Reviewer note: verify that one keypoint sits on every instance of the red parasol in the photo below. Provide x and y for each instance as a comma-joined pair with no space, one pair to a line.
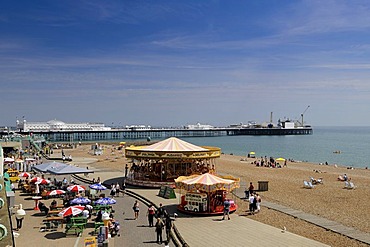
38,180
24,174
55,192
76,188
43,181
72,210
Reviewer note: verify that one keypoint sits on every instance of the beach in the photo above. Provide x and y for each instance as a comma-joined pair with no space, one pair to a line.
285,186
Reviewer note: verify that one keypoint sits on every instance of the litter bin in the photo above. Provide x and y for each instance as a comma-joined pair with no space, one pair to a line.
263,185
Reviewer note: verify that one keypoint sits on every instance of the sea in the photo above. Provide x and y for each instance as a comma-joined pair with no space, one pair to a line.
320,147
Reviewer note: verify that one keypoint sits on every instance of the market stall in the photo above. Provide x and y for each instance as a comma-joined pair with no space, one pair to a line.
205,194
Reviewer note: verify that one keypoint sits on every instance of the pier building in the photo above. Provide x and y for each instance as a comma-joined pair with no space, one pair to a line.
58,131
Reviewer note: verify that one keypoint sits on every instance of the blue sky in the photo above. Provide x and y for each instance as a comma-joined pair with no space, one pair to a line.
172,63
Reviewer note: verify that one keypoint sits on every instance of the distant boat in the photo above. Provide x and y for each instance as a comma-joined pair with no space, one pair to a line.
337,152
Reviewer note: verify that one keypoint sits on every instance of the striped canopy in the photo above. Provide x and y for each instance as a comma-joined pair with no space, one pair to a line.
55,192
76,188
72,210
206,182
173,144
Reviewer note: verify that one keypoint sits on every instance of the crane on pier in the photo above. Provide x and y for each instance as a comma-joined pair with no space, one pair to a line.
302,123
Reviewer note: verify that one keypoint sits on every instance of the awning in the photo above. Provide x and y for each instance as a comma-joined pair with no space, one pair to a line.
60,168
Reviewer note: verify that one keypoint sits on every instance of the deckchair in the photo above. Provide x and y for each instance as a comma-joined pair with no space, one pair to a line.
346,184
316,181
349,185
307,185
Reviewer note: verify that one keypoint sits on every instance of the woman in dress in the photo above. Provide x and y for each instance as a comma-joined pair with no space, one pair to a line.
136,209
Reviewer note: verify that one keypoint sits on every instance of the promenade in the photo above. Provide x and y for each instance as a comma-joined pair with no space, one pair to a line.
196,231
212,231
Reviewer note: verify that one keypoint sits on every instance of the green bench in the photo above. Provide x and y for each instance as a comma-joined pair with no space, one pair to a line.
106,208
77,225
97,225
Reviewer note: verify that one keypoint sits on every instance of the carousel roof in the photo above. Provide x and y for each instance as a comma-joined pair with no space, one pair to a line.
206,179
173,144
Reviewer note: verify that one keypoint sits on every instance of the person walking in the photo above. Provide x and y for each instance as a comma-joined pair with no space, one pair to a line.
168,225
251,188
150,214
258,202
113,190
254,203
117,189
159,229
161,211
19,216
226,209
136,209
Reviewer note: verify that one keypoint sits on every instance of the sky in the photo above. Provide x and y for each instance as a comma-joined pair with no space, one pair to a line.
173,63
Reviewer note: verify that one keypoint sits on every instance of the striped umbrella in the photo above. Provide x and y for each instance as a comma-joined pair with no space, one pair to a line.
106,201
80,200
24,174
72,210
55,192
97,186
41,181
173,144
76,188
35,179
206,182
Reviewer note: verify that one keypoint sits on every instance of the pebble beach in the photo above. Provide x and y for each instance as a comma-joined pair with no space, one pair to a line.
329,200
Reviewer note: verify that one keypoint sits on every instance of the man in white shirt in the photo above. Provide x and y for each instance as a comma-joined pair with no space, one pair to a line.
86,213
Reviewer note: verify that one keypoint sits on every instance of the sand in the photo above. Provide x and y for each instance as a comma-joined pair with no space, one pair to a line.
329,200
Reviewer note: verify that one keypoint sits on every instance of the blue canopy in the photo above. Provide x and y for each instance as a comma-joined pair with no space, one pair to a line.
105,201
97,186
58,168
80,200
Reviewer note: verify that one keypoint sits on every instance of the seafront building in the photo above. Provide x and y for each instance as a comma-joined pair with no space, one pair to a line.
56,125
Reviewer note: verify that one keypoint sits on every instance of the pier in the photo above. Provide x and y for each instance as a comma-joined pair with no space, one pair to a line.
121,134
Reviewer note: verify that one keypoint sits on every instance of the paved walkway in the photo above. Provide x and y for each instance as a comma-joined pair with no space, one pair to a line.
211,231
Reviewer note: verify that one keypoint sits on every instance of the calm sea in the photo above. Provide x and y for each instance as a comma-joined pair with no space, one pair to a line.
353,142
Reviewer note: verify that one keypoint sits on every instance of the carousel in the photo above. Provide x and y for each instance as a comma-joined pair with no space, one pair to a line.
161,163
205,194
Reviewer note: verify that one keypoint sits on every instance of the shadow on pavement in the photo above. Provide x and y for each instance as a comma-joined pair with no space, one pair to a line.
217,220
55,235
143,226
39,214
150,242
